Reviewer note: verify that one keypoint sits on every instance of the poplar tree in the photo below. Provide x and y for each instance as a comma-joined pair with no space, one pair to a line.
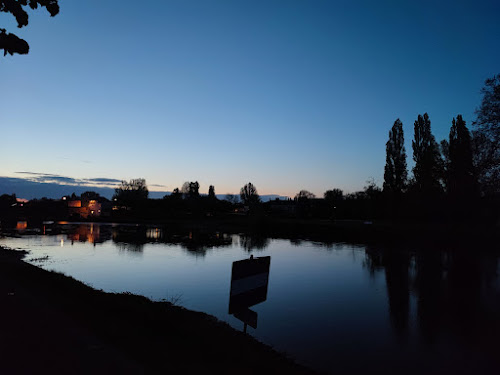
461,180
211,192
395,172
428,169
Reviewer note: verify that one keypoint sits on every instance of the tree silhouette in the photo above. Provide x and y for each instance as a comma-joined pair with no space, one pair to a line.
304,194
428,168
371,190
460,171
395,172
334,196
249,194
190,190
487,136
10,43
132,192
211,192
334,200
176,195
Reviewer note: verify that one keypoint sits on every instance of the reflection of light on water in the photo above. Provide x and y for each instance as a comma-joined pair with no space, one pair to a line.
154,233
22,225
62,242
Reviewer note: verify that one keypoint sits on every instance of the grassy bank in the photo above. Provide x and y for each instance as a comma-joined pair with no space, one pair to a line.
57,324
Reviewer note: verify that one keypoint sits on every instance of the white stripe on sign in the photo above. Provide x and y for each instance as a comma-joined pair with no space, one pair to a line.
249,283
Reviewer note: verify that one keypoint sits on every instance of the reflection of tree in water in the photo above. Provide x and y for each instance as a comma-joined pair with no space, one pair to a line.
130,238
395,263
457,293
196,242
250,243
128,247
429,287
199,242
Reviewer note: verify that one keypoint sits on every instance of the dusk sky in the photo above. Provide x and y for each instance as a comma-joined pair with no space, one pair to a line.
289,95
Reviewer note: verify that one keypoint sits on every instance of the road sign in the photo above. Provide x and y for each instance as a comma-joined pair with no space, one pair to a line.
249,281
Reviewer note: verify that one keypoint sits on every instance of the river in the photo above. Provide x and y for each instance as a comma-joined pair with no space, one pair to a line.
331,306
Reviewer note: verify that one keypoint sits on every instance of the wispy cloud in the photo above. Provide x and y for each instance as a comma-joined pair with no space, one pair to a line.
48,178
30,188
101,180
35,173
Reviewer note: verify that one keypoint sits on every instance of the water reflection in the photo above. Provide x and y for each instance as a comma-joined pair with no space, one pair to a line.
253,242
21,226
133,237
456,292
154,234
130,248
395,263
88,233
400,310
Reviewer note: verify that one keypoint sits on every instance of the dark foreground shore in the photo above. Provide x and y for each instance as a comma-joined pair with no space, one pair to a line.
55,324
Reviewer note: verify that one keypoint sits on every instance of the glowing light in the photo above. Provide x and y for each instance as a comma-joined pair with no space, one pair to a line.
22,225
153,233
62,242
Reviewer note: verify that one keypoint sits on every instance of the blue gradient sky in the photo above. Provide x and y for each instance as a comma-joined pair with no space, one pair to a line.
289,95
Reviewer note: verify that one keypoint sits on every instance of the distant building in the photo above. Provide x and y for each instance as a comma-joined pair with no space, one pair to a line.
84,208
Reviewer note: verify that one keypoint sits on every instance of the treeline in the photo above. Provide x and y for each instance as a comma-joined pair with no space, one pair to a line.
457,179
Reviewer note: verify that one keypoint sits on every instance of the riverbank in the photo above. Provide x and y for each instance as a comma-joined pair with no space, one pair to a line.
54,323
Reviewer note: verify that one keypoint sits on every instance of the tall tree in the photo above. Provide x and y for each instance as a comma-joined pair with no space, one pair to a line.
486,140
249,194
428,169
211,192
460,171
395,172
10,43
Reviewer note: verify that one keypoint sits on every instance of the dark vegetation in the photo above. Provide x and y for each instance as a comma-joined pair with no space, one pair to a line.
11,43
76,329
453,188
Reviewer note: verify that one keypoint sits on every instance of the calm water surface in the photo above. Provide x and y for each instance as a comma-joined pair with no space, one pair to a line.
334,307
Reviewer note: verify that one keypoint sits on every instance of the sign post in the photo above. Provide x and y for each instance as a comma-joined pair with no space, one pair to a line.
249,282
